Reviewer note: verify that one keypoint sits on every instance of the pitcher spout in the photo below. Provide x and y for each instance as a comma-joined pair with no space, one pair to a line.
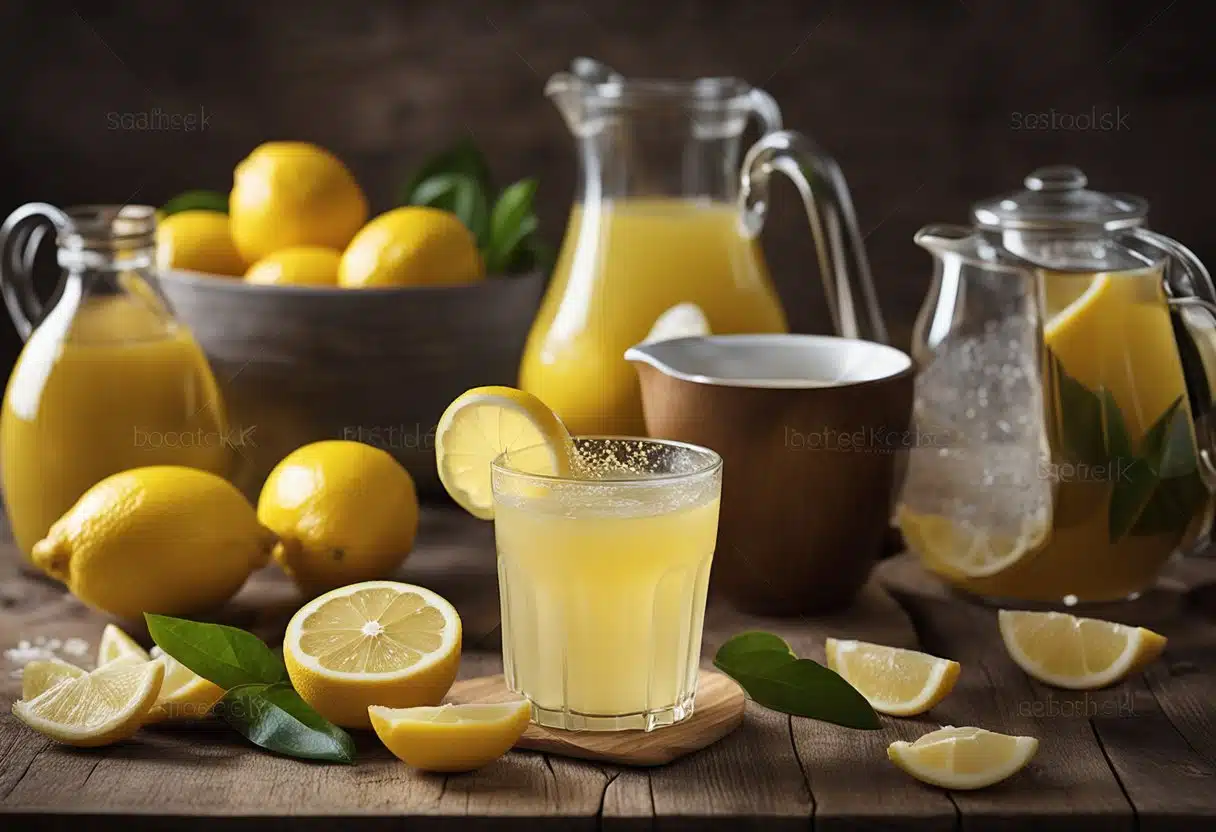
570,90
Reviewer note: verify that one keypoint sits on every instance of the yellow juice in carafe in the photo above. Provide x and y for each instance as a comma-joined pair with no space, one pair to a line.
624,263
123,389
1107,335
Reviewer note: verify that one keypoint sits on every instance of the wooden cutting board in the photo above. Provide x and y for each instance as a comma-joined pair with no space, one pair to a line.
720,704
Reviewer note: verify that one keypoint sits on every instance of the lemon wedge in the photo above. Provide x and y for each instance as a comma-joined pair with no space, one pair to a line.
683,320
485,422
115,644
43,674
373,643
451,738
963,758
895,681
1076,653
99,708
184,694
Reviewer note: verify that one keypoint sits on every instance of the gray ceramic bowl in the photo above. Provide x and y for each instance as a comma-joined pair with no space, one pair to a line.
302,364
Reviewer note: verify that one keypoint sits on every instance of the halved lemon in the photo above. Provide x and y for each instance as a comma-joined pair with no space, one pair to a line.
39,676
115,643
895,681
102,707
451,738
960,550
184,694
374,643
1076,653
680,321
485,422
963,758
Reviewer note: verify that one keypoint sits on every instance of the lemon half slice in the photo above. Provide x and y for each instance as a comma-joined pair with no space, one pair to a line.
184,694
374,643
683,320
485,422
1076,653
39,676
98,708
957,549
895,681
116,644
451,738
963,758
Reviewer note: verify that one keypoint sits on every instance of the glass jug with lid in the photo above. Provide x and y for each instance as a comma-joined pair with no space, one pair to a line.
665,214
1065,357
108,379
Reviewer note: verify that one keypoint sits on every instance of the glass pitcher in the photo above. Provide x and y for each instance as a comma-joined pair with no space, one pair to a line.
663,216
108,380
1061,404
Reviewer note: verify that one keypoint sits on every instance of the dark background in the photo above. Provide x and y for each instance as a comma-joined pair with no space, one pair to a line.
927,105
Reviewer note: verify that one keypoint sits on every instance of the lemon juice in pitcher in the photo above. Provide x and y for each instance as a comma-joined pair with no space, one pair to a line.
668,212
108,379
1066,466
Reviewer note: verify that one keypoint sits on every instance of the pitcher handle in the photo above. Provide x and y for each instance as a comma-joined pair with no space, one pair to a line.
1189,289
840,248
20,237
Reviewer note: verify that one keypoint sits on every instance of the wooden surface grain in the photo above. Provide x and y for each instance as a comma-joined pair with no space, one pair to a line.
1141,755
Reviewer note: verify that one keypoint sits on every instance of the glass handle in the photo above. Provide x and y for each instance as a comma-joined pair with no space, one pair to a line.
840,248
20,238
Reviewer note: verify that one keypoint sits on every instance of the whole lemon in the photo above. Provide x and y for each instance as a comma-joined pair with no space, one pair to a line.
164,539
300,266
412,246
288,194
199,241
343,512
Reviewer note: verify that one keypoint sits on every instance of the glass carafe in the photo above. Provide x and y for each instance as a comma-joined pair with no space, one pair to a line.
1062,398
664,216
108,380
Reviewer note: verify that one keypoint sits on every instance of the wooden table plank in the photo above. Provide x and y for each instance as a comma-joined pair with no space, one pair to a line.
1098,750
1153,738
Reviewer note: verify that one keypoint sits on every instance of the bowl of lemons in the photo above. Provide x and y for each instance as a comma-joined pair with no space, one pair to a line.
324,321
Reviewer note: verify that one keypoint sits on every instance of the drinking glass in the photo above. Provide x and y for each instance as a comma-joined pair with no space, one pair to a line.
603,576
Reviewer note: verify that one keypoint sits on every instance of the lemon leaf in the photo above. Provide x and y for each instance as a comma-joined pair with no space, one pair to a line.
196,201
227,656
274,717
774,677
463,157
512,222
458,194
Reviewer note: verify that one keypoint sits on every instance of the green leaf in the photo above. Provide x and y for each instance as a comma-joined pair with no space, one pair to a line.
224,655
1134,484
1172,506
1080,415
1176,455
277,719
461,195
1118,442
751,642
511,223
196,201
777,679
463,158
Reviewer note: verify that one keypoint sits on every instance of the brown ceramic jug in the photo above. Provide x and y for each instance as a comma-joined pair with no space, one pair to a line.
812,431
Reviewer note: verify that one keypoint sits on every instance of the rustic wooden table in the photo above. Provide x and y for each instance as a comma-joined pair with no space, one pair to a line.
1142,755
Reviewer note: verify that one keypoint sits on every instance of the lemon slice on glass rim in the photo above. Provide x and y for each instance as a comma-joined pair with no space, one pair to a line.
485,422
